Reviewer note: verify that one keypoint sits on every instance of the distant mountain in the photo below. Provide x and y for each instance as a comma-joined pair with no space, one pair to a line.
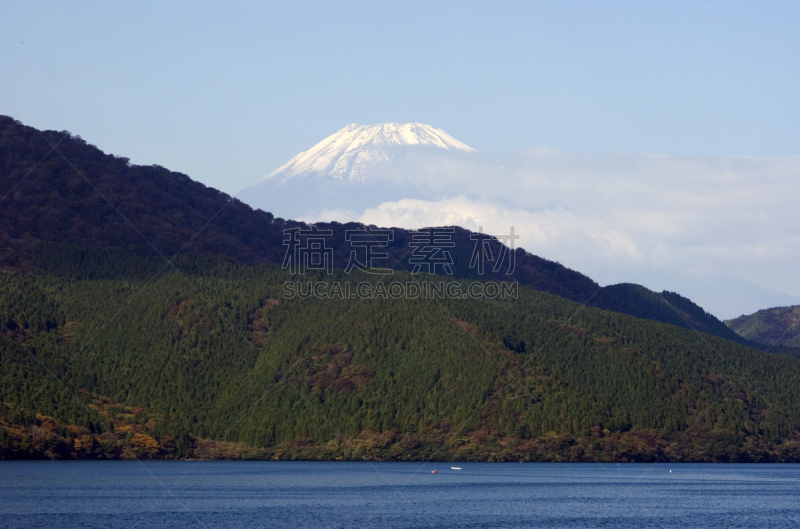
353,152
358,167
770,327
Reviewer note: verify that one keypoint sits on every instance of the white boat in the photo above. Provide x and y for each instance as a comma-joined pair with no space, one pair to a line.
456,468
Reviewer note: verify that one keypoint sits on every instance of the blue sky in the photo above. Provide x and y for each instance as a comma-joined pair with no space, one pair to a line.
237,88
228,92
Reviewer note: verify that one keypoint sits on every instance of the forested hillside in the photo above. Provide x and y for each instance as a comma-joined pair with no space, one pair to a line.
105,354
779,326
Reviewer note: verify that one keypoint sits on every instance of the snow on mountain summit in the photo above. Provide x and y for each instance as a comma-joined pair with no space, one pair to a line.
353,152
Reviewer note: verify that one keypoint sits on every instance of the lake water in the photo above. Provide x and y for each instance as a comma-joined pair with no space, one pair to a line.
128,494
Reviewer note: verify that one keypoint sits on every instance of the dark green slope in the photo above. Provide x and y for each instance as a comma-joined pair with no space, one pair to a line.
666,307
213,351
89,198
779,326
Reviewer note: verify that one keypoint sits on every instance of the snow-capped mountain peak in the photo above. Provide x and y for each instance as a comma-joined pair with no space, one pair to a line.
353,152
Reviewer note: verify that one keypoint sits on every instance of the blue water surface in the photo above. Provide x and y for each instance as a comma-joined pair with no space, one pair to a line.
128,494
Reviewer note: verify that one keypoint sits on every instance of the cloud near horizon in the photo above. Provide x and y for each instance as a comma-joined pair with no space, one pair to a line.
612,216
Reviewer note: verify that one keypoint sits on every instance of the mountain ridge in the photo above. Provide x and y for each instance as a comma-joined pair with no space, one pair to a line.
155,210
776,326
